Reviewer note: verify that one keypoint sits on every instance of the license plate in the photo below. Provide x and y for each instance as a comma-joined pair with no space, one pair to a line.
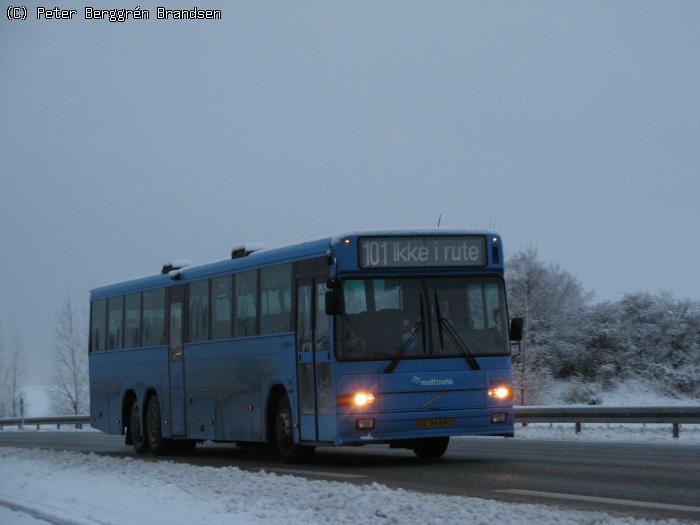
444,422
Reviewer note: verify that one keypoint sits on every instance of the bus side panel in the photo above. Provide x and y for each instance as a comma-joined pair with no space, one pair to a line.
227,383
115,372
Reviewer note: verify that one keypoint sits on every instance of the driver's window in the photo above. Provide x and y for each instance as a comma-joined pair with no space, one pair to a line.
355,298
476,305
386,295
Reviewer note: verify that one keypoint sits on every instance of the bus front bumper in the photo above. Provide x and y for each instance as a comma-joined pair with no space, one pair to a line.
389,427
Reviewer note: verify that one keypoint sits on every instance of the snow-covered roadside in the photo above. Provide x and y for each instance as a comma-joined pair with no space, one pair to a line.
87,488
12,517
614,432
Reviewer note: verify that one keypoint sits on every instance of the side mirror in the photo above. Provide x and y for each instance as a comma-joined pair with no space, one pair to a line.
516,329
334,302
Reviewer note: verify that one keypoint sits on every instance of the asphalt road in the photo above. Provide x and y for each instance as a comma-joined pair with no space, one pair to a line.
653,481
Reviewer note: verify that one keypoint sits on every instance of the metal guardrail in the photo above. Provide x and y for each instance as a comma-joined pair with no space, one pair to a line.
673,415
77,421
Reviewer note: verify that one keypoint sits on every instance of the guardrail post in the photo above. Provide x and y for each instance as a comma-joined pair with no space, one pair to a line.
79,426
38,426
578,427
58,426
676,430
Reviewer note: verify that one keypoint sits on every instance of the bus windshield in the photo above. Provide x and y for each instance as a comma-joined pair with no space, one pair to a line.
422,317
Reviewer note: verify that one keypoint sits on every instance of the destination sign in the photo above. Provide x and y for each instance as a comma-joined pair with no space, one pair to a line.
410,252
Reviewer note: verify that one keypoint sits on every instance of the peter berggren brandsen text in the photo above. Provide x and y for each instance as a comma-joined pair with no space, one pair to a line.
124,15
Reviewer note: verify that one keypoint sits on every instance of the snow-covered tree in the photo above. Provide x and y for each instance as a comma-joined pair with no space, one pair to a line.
589,348
68,377
653,338
553,303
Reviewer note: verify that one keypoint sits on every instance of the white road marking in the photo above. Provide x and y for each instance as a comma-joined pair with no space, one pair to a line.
319,473
595,499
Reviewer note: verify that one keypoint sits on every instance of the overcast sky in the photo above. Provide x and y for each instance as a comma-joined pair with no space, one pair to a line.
570,126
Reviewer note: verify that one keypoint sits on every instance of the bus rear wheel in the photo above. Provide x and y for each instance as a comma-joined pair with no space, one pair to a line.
283,435
135,430
431,448
154,429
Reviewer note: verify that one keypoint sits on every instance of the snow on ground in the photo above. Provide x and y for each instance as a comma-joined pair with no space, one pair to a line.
630,392
87,488
614,432
12,517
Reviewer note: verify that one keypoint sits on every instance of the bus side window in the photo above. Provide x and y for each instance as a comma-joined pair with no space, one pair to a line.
322,320
276,299
98,321
115,322
199,311
246,294
153,325
304,318
221,300
132,320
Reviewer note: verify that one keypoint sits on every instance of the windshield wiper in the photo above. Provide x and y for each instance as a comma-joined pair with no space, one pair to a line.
418,325
454,336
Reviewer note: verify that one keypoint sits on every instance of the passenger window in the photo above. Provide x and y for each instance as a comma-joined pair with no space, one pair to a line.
98,321
154,318
221,300
276,299
199,311
246,303
132,320
115,323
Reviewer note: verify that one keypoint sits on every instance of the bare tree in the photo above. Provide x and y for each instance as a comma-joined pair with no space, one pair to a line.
68,377
15,375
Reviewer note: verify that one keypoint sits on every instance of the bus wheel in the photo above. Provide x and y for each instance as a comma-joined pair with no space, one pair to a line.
154,429
283,435
431,448
135,432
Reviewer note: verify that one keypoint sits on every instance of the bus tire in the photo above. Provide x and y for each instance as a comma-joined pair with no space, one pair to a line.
135,431
431,448
154,429
283,435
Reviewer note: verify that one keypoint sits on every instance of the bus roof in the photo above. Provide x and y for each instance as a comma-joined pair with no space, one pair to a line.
265,257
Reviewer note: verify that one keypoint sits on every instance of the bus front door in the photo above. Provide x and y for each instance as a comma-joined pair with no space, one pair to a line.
176,350
314,372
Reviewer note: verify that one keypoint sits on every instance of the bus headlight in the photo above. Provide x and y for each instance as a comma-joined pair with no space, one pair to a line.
359,399
501,392
363,398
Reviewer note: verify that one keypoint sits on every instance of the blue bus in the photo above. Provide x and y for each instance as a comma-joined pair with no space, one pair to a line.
391,337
